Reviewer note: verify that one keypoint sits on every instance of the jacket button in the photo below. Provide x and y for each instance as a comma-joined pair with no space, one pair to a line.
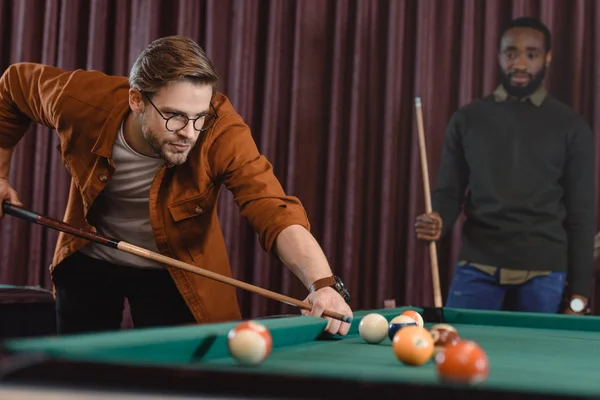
199,210
103,178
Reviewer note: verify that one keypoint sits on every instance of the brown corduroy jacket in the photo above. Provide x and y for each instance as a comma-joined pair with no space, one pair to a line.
86,108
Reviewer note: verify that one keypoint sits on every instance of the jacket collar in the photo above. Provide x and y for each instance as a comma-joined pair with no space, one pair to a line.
104,144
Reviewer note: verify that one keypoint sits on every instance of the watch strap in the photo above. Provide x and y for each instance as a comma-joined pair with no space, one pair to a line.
321,283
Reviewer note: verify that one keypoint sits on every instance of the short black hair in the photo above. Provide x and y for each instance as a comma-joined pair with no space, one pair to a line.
528,22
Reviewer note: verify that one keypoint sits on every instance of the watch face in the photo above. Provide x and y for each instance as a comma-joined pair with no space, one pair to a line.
339,286
577,305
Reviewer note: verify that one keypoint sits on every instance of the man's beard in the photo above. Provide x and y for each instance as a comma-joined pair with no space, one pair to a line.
521,91
171,157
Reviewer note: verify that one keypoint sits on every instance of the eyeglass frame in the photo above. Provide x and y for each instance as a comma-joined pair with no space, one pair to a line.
215,116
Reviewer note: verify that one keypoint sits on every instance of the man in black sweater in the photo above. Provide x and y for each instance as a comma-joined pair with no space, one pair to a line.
521,165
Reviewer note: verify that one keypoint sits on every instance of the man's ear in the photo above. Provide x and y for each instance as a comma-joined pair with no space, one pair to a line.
548,58
136,101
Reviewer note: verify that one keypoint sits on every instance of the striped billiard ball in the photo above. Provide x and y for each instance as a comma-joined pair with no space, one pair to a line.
399,322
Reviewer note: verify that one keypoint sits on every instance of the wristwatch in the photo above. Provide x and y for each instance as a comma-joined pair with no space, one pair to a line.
331,281
577,304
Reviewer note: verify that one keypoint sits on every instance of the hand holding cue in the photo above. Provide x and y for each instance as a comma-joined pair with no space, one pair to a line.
437,296
31,216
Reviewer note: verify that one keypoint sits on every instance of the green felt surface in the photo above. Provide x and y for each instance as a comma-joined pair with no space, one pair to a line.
527,352
15,287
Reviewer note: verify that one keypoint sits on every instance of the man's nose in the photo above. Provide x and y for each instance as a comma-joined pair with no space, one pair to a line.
188,131
520,63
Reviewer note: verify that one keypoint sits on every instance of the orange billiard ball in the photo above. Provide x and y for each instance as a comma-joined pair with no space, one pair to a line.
465,362
413,345
414,315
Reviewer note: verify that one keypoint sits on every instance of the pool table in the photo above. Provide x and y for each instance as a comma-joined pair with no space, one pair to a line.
26,311
531,356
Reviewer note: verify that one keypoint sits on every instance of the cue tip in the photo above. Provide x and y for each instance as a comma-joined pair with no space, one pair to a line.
418,101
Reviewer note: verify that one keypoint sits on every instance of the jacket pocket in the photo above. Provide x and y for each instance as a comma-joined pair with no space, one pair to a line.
192,218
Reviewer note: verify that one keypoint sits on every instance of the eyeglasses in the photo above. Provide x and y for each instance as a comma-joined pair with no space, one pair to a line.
179,121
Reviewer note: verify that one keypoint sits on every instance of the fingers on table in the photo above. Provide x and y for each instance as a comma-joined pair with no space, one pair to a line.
333,325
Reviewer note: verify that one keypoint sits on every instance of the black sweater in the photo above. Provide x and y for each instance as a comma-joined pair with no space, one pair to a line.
525,176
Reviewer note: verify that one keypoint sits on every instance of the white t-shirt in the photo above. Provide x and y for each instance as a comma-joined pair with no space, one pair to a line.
124,215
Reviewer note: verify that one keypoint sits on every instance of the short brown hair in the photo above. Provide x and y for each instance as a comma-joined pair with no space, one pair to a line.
169,59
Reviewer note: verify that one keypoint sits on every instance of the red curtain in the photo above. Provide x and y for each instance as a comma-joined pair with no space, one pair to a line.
328,88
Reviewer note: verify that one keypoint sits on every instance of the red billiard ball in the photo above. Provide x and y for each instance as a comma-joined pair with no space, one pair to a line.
464,363
443,338
443,326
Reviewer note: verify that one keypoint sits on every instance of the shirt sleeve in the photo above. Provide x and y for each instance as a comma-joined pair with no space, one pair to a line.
29,93
579,198
234,159
451,183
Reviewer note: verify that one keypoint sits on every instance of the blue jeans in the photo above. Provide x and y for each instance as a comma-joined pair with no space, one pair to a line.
475,289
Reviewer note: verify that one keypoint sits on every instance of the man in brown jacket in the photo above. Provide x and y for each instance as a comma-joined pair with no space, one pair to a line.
148,156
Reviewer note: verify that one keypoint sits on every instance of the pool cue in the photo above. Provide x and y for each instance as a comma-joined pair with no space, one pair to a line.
16,211
435,275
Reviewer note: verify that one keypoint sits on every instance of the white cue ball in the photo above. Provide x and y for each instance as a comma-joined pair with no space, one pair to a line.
373,328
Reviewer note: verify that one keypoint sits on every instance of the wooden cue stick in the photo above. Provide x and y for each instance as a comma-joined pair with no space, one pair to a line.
34,217
435,275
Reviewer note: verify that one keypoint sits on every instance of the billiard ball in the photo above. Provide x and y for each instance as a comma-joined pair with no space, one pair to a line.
443,326
373,328
414,315
413,345
399,322
463,363
249,343
443,338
